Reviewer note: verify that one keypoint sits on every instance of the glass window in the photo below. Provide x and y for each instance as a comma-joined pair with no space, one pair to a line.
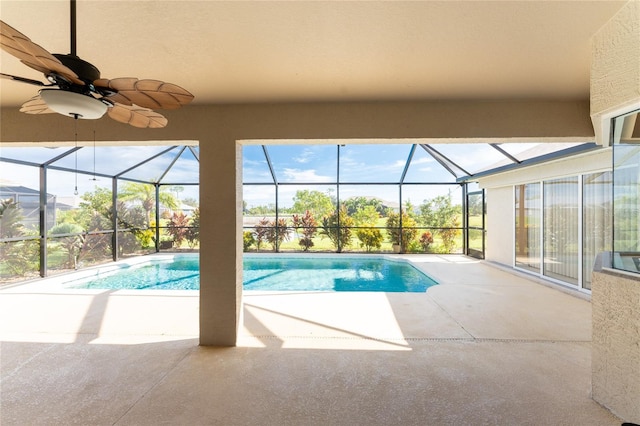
527,226
561,229
626,193
596,220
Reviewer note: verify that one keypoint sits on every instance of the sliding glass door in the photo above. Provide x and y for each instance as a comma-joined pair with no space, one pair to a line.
527,226
560,219
475,212
596,220
566,222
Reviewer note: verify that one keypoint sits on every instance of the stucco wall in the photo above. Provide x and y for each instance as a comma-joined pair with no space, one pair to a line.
615,344
615,68
500,225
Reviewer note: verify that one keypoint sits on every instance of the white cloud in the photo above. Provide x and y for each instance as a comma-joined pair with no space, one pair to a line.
306,156
414,162
297,175
421,160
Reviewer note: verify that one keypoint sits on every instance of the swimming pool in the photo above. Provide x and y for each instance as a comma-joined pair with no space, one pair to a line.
271,273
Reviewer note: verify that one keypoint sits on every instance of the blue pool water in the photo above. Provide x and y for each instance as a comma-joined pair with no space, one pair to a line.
276,273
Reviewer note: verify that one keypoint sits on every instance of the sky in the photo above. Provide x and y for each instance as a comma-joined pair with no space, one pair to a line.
294,167
107,159
359,163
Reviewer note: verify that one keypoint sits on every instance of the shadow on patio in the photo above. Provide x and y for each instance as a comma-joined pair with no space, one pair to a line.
485,346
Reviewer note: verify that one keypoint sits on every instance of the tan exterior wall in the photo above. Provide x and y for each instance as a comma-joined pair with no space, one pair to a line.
615,347
615,69
470,120
500,225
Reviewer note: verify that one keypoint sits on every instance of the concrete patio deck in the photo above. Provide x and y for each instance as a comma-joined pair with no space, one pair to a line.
486,346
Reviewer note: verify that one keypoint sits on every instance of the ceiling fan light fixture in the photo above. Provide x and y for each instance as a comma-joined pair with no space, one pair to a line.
81,92
73,104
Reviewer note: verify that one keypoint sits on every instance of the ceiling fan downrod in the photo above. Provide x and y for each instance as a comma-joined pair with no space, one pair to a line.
72,19
86,71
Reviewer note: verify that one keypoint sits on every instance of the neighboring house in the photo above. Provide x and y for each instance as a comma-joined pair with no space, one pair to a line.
28,201
184,208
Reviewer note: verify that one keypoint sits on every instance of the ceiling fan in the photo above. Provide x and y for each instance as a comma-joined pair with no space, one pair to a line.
75,88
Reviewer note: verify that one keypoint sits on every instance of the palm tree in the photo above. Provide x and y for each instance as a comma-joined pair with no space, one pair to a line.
146,194
10,218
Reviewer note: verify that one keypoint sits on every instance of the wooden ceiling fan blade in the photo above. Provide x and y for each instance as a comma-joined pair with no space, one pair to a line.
122,83
137,116
147,93
167,95
110,89
118,98
36,105
21,79
33,55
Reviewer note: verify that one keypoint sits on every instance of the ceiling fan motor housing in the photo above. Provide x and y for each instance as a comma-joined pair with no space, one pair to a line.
85,71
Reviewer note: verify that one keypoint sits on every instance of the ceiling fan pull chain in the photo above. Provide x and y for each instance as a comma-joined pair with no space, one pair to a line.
75,122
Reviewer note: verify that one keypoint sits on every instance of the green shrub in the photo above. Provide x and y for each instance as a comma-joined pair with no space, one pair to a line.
449,238
193,233
336,227
248,240
72,244
370,238
408,233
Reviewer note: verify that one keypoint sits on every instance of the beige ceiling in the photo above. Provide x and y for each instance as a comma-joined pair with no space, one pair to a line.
230,52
